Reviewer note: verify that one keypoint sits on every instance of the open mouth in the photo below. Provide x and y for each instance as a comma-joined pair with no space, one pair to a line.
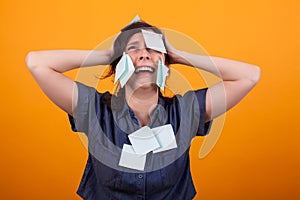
144,69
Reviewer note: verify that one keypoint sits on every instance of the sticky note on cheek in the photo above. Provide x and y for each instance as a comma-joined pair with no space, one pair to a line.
124,69
162,73
154,41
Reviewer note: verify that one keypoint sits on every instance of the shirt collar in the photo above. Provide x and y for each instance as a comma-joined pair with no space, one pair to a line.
121,109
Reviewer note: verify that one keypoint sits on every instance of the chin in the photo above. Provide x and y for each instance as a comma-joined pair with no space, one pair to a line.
146,85
152,85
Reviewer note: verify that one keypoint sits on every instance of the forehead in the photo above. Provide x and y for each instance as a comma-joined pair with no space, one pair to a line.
149,39
136,38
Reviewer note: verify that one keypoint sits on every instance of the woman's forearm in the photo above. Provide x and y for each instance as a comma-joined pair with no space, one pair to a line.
226,69
47,68
238,78
65,60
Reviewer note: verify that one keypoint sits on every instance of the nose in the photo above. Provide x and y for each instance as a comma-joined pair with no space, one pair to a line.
144,54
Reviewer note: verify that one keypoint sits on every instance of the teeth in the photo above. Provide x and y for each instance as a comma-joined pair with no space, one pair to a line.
144,69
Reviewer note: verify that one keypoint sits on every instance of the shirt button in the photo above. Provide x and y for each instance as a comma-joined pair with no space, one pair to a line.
141,176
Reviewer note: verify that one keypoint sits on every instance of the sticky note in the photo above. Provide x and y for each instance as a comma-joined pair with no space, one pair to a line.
135,19
130,159
154,41
124,69
165,137
162,73
143,140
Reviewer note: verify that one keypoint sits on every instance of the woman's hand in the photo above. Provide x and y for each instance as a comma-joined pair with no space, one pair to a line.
174,54
111,50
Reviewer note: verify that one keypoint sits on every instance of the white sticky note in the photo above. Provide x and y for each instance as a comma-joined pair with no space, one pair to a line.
165,137
132,160
162,73
124,69
154,41
135,19
143,140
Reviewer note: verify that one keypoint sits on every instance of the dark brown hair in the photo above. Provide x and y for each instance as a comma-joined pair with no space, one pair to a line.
122,40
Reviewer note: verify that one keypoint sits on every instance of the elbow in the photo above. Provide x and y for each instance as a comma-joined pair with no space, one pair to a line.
30,63
255,75
33,60
252,76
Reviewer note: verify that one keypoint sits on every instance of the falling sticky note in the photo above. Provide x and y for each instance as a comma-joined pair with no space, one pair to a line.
124,69
143,140
132,160
154,41
165,137
162,73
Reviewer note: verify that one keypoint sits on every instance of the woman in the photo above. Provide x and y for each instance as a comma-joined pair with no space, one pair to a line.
109,120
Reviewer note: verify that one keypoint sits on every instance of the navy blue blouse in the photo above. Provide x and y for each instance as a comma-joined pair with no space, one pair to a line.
107,120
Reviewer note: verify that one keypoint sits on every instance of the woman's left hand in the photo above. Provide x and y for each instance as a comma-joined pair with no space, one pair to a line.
174,54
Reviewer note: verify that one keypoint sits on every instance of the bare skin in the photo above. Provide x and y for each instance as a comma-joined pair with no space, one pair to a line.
141,95
47,67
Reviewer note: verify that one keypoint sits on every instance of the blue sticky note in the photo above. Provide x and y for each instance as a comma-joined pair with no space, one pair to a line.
162,73
124,69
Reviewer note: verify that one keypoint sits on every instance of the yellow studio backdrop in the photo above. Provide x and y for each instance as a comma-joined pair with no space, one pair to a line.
257,154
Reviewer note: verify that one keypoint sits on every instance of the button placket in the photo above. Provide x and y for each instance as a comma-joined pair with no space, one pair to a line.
140,180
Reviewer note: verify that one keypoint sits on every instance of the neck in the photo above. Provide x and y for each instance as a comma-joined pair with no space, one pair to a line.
142,95
142,101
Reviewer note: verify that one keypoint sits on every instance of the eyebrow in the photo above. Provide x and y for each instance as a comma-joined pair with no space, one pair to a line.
133,43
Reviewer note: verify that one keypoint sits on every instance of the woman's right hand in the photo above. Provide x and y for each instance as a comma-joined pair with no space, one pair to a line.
111,50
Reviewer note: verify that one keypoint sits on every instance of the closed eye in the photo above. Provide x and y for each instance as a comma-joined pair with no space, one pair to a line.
131,48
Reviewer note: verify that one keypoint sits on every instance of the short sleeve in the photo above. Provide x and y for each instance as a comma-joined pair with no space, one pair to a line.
86,96
204,127
193,112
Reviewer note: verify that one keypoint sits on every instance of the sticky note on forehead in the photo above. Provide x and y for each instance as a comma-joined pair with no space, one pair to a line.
154,41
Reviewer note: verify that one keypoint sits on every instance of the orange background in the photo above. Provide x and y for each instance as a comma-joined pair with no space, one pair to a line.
257,155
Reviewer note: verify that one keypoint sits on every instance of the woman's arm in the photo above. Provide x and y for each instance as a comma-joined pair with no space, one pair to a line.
47,68
238,79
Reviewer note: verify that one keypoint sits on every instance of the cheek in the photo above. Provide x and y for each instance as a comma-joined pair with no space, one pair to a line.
155,57
158,57
133,58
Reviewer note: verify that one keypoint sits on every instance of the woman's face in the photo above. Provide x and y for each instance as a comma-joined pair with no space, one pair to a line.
144,60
